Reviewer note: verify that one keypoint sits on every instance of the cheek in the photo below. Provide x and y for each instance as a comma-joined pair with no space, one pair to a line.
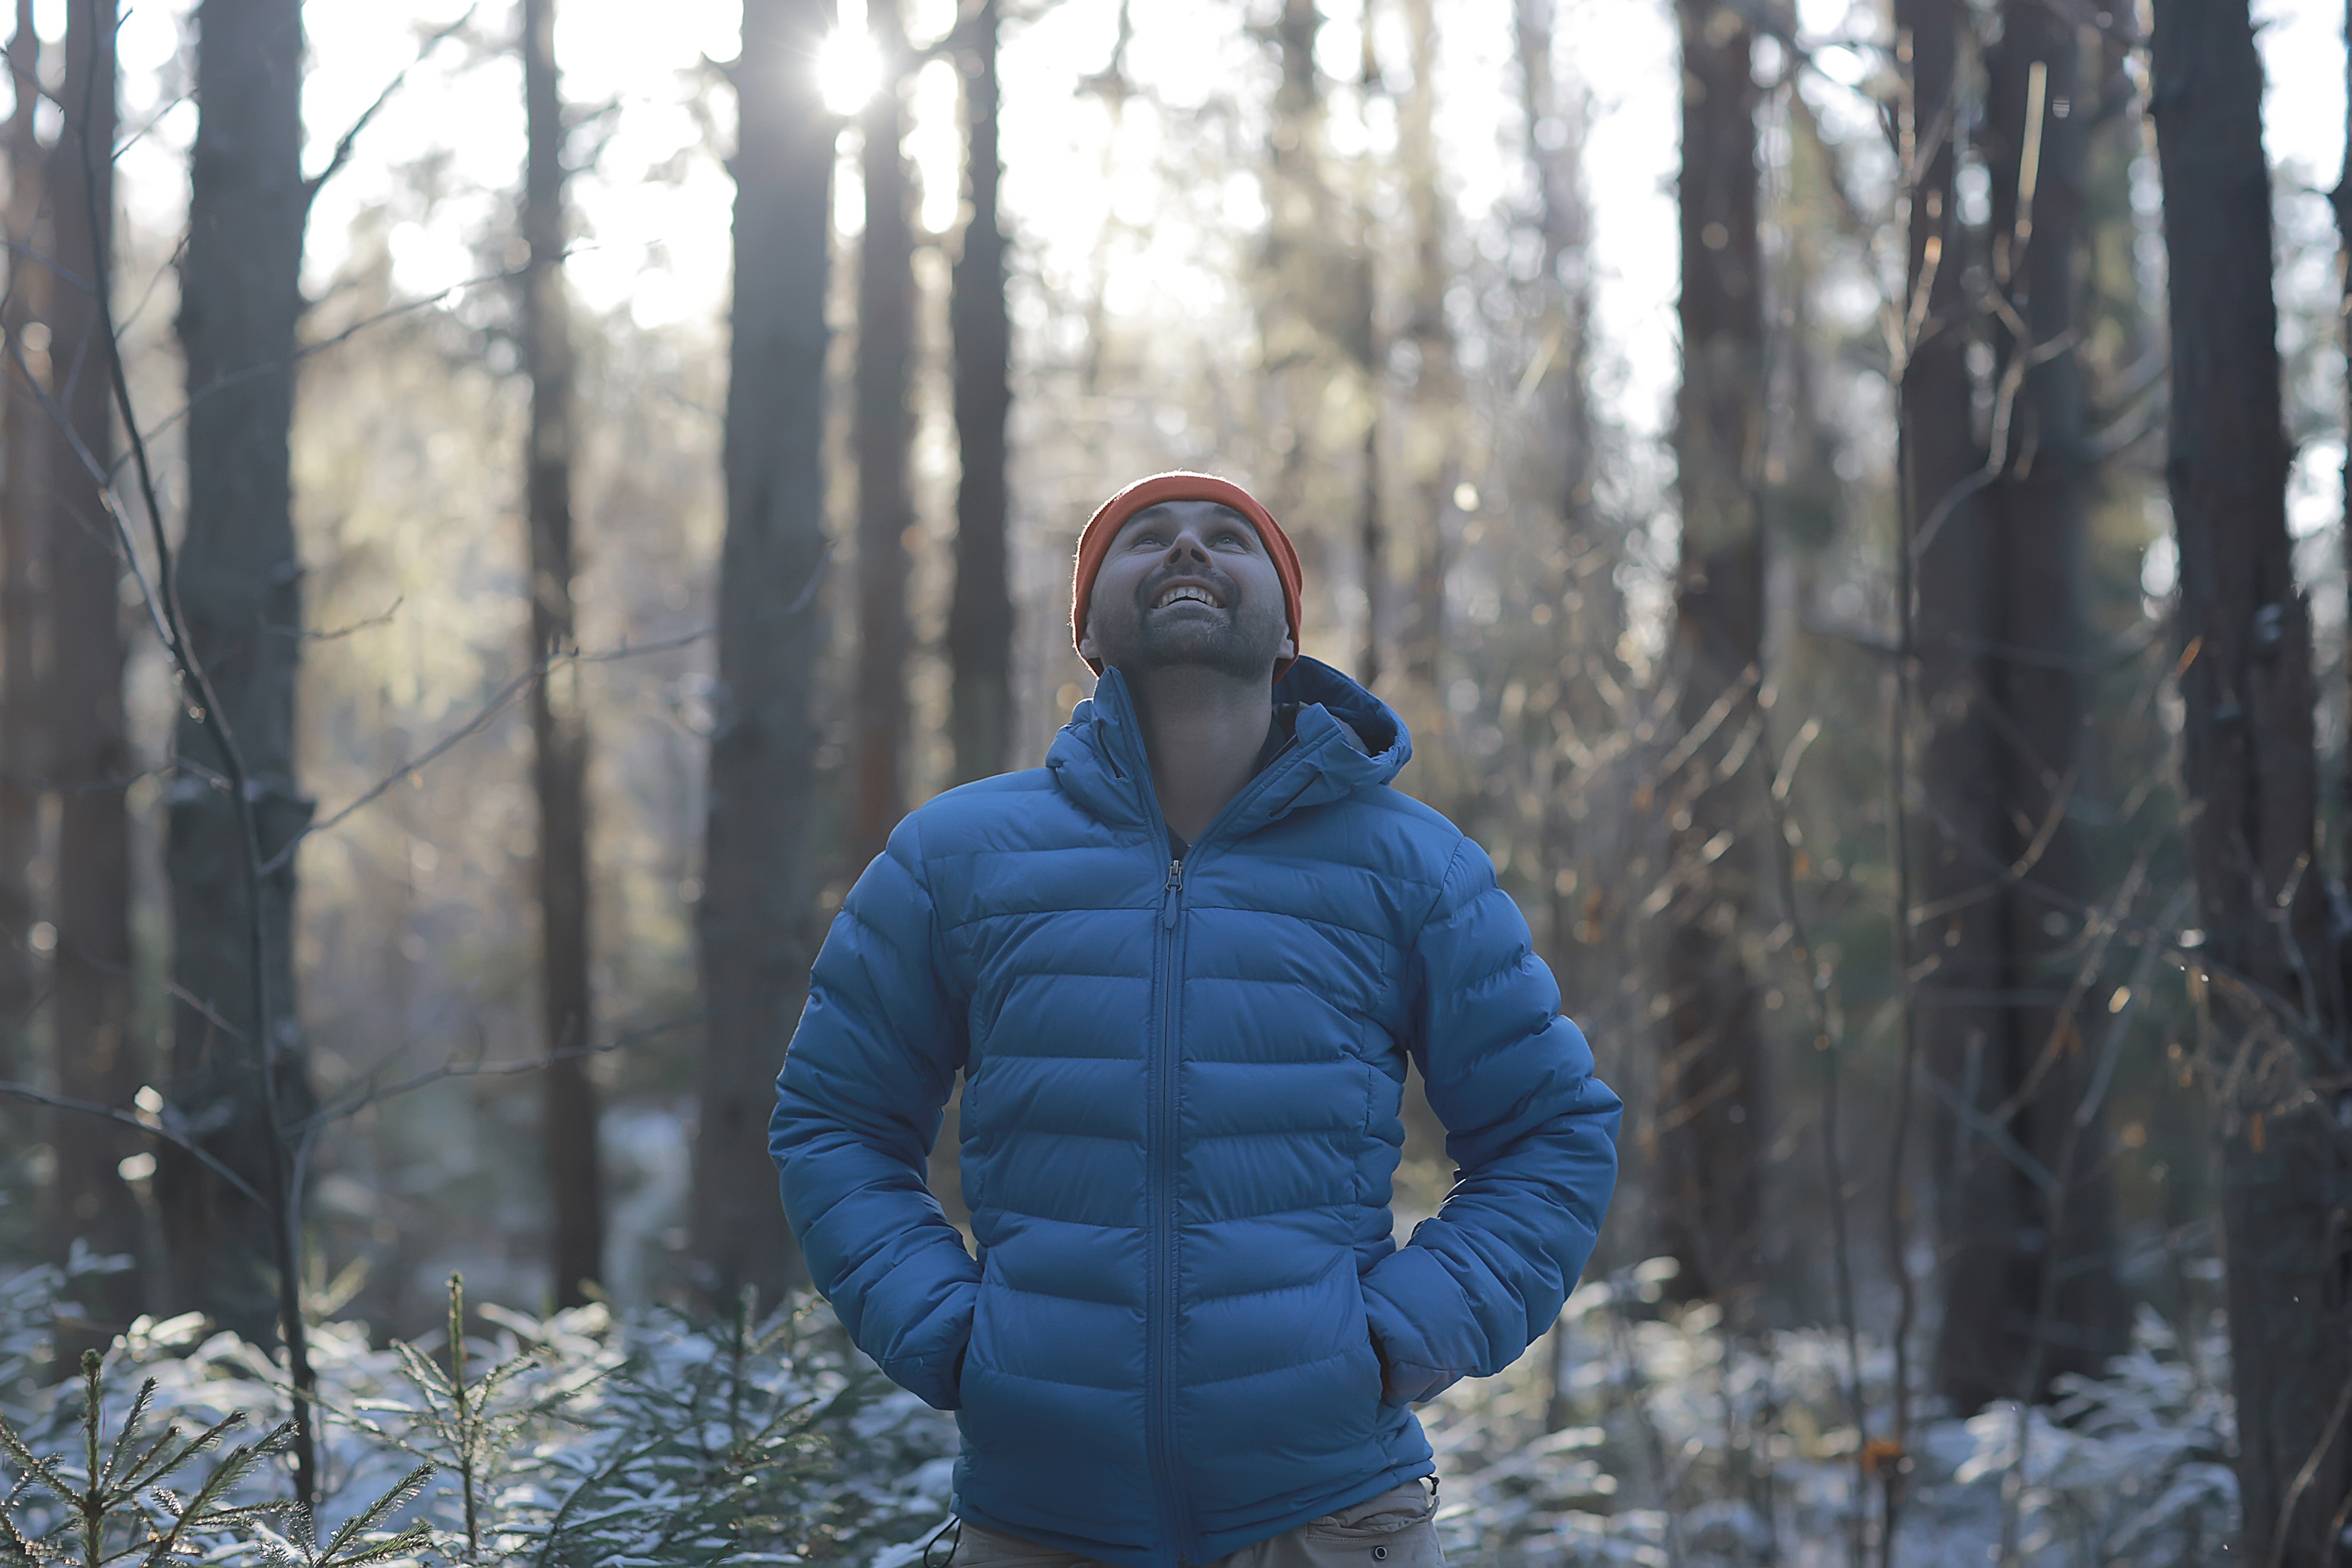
1264,585
1114,595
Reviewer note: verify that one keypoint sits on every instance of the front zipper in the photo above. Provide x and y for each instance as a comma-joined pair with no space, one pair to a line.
1161,1318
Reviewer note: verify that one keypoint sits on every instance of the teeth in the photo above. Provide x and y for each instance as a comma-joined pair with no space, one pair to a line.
1177,595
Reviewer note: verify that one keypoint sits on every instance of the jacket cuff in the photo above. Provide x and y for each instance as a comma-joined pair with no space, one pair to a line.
1422,1324
932,1370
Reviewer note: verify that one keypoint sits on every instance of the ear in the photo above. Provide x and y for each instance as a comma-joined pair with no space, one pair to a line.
1289,647
1088,650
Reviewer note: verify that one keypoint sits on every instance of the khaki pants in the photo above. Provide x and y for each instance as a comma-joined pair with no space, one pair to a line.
1397,1529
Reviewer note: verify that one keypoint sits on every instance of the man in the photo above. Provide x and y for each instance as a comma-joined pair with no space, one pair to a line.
1182,968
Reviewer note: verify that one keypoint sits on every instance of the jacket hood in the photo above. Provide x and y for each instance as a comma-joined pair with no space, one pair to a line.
1347,740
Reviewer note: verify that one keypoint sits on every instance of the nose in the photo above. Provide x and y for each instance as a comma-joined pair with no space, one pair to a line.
1187,548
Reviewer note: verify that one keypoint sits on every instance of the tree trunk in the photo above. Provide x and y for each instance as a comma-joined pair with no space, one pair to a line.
2271,995
97,1055
1963,1030
2030,1271
980,619
1368,356
2340,199
758,924
24,436
1437,392
558,718
885,432
1589,607
239,583
1371,536
1564,387
1710,1084
1561,338
1297,297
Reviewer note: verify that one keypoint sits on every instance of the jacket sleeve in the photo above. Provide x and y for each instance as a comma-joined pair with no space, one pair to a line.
1532,1133
857,1109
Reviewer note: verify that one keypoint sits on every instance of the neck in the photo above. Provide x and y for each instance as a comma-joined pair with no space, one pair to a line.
1203,732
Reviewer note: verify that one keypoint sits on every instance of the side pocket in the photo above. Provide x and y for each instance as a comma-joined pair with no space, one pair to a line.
1379,1391
984,1311
1397,1529
968,1157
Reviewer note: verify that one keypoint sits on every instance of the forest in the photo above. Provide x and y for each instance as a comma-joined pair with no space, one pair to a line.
504,506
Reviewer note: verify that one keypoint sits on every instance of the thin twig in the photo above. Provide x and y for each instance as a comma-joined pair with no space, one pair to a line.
354,1104
1816,982
349,142
482,716
336,340
25,1092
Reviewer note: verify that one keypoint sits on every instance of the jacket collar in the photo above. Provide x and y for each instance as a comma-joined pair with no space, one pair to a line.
1348,739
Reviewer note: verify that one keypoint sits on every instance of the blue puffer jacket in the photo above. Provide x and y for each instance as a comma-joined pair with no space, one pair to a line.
1179,1122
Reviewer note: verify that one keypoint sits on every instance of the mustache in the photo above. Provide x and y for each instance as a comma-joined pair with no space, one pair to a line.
1227,590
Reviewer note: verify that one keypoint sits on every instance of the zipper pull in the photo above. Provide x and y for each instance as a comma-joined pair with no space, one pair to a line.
1175,891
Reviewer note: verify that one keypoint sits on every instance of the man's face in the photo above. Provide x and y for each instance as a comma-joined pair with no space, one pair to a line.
1189,583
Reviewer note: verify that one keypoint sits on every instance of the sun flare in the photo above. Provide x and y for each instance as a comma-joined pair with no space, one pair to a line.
848,70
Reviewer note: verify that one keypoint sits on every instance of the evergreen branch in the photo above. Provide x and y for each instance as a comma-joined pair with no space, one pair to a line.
15,1551
200,1511
347,1550
140,1476
132,1420
36,1468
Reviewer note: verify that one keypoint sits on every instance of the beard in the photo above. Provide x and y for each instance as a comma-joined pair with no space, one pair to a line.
1242,641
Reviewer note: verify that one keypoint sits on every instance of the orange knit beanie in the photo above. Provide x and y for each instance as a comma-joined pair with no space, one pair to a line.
1094,542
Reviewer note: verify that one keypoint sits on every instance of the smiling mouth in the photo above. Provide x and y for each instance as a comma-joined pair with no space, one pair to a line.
1186,594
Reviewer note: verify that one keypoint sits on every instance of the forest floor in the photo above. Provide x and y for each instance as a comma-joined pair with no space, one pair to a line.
1636,1434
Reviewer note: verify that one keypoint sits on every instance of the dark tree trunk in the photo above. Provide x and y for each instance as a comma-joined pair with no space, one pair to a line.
2271,996
2019,1307
24,437
97,1054
980,619
1962,1029
558,717
1710,1085
239,583
2340,199
885,431
758,922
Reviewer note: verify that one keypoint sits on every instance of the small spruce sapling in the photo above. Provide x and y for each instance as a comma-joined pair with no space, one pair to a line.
729,1458
114,1506
471,1428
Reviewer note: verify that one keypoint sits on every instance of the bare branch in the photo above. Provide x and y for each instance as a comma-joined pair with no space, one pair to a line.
351,1106
515,688
25,1092
346,143
391,313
